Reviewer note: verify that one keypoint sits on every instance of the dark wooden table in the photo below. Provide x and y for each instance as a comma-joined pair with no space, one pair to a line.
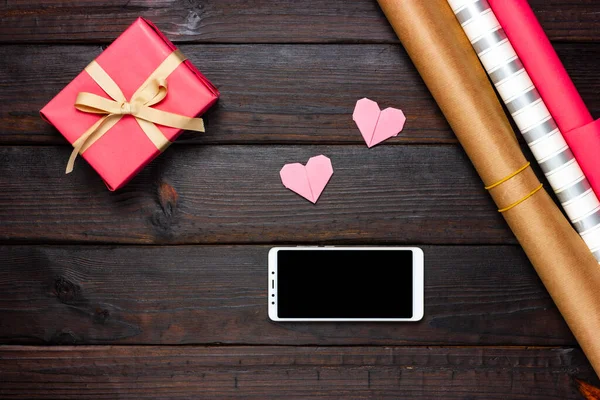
159,290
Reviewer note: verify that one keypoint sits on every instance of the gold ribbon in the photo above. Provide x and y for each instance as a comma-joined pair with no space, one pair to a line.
509,177
151,92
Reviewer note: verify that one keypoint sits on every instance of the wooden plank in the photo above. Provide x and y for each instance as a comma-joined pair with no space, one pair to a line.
474,295
290,372
270,93
233,194
236,21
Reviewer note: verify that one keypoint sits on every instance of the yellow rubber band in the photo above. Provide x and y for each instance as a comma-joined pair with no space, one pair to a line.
501,181
516,203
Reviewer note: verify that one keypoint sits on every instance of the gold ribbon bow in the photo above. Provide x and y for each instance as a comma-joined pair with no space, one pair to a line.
151,92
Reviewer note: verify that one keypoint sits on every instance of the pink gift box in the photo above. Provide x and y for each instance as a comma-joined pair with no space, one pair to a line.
125,149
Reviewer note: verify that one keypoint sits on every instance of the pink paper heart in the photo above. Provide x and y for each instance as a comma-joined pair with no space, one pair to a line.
375,125
310,180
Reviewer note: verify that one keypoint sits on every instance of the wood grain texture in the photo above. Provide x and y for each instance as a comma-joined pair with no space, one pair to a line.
233,194
192,316
312,100
270,93
474,295
238,21
290,372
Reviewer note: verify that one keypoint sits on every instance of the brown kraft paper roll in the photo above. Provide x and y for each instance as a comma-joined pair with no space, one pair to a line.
451,70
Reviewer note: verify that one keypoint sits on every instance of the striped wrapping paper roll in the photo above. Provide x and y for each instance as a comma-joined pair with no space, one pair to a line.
532,117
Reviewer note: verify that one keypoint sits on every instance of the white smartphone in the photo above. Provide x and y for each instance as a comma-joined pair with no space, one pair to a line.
346,284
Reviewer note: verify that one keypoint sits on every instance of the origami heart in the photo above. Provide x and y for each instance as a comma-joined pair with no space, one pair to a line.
310,180
376,125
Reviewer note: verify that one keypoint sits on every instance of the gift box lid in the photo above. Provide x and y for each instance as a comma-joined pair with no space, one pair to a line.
125,149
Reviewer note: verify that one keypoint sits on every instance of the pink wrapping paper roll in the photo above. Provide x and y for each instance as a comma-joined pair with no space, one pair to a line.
553,83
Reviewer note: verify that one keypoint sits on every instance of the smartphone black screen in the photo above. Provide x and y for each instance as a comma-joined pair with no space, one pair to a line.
344,284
